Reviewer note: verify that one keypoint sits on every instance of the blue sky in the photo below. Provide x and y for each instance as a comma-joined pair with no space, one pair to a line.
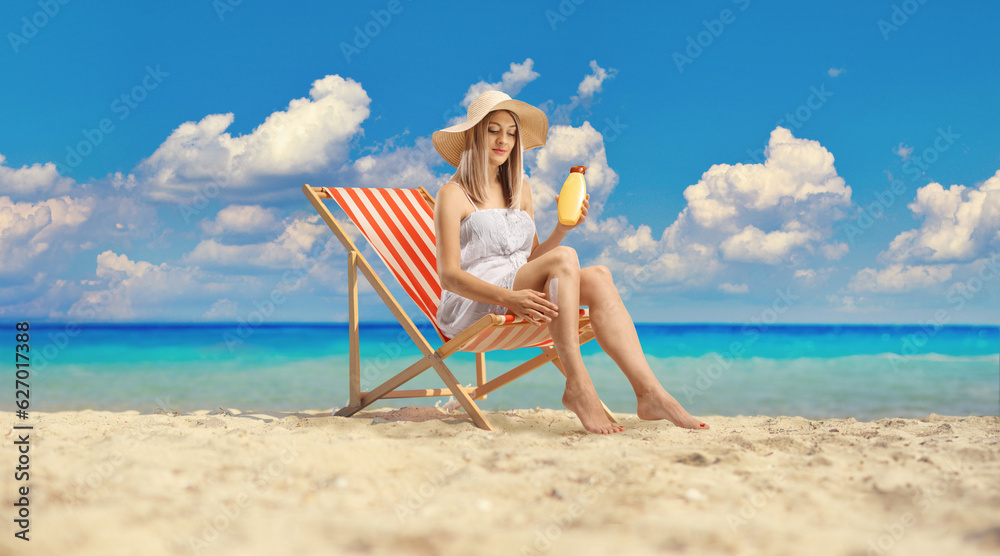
792,162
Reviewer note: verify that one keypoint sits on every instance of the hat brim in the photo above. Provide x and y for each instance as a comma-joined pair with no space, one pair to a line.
534,128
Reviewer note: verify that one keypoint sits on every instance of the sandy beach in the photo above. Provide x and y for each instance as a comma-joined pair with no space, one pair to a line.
420,481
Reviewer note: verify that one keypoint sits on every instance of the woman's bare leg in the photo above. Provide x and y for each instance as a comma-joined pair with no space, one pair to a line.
615,333
580,396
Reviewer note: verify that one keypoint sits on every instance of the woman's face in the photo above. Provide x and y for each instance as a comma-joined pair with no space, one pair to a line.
500,135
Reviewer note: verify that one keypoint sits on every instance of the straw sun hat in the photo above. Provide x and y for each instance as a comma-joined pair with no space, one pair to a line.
450,141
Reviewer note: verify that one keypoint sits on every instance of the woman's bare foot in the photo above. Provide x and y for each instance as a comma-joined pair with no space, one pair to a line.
582,399
661,405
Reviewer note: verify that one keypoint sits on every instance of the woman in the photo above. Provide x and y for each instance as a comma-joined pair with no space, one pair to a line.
490,260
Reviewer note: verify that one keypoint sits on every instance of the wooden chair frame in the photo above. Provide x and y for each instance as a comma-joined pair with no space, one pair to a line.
466,396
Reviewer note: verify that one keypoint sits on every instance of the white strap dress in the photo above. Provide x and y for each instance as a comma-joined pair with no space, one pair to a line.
495,244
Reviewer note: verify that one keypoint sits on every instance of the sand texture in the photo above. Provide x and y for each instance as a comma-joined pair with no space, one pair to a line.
419,481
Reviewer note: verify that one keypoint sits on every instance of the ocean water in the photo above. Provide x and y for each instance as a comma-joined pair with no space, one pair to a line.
815,371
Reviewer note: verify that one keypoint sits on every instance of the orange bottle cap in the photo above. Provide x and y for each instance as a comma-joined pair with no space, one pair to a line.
580,169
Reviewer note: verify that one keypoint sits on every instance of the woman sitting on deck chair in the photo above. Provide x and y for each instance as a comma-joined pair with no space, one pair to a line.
490,260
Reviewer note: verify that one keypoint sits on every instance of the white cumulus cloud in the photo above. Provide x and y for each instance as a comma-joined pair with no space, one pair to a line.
641,240
813,276
734,288
402,167
903,151
591,84
511,82
288,250
27,230
35,181
310,135
798,181
899,278
241,219
585,91
569,146
131,289
776,213
753,245
960,224
834,251
223,309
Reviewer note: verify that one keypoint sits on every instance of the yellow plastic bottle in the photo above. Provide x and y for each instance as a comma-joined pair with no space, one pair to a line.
574,190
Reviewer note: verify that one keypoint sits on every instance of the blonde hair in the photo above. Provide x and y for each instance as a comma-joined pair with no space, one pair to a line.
473,168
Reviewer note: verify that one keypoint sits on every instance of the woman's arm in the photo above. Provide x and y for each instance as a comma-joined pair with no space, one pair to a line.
449,208
560,231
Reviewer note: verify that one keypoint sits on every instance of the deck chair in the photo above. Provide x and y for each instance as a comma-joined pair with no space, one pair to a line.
399,224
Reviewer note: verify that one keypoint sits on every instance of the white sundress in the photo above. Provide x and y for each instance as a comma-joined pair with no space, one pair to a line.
495,244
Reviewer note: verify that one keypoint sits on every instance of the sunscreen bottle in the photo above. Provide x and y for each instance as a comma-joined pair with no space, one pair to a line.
574,190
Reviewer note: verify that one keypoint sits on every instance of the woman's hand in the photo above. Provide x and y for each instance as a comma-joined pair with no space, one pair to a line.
532,305
583,216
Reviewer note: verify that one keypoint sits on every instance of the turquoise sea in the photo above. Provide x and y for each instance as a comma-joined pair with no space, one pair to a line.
815,371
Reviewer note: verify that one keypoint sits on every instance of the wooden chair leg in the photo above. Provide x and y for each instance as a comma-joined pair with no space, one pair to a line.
515,373
354,381
460,394
381,390
480,373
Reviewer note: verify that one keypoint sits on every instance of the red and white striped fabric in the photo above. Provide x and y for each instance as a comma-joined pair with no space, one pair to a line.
515,337
400,226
